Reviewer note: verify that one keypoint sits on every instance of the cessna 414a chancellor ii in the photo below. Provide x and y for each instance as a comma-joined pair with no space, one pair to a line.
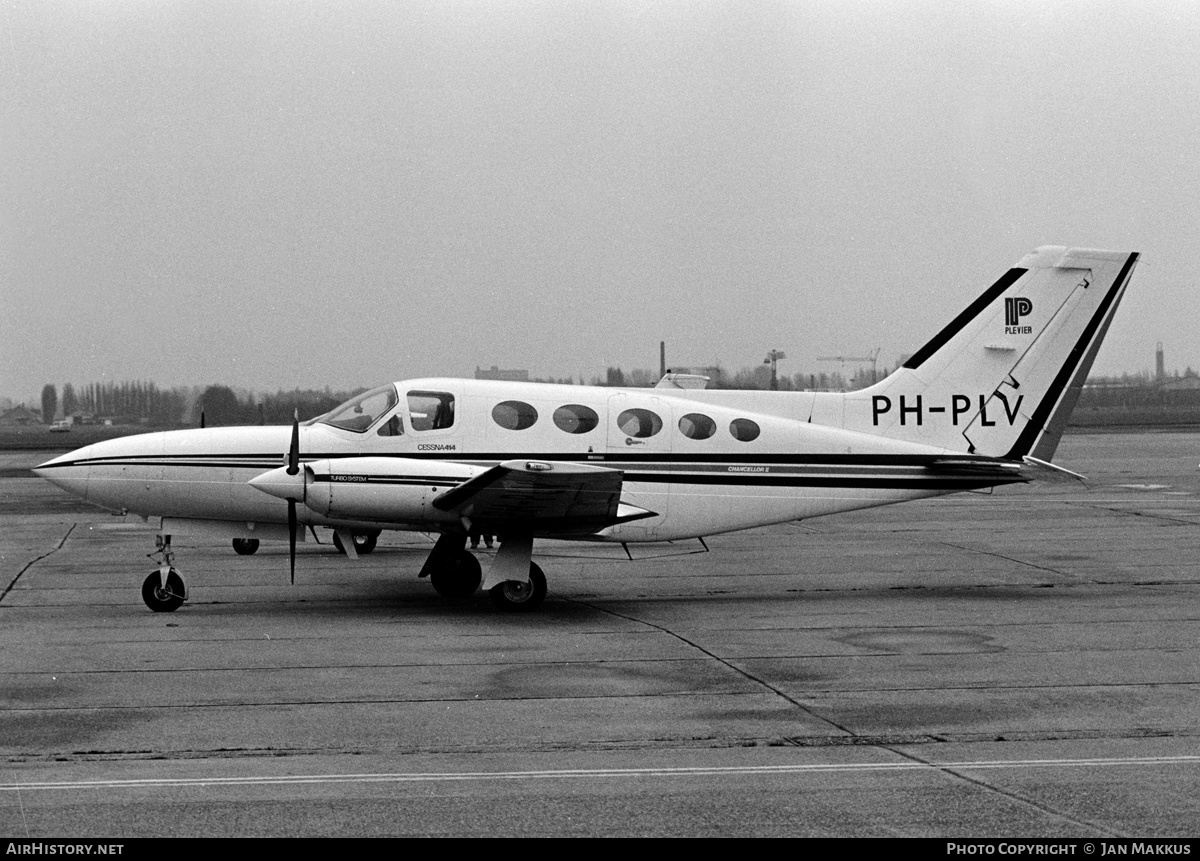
982,404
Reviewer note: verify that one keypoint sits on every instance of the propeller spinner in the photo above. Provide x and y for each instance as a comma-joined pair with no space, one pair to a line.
291,483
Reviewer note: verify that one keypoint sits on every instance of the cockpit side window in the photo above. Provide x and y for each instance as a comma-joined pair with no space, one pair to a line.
361,411
392,427
430,410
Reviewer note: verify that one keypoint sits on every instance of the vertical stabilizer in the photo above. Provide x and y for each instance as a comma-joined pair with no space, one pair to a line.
1002,378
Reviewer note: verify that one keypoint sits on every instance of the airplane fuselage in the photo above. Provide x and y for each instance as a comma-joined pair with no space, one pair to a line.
701,466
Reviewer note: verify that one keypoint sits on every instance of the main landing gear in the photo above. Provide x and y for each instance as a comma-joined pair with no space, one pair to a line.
245,546
456,576
364,542
513,596
163,591
455,573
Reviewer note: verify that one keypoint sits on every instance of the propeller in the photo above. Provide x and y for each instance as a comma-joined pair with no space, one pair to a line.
293,468
288,482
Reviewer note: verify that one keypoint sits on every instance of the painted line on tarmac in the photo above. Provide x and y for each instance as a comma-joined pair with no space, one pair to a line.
592,773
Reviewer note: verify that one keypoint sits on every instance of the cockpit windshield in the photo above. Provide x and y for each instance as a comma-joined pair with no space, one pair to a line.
361,411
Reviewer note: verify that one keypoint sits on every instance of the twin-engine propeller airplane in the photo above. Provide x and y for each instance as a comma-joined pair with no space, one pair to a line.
982,404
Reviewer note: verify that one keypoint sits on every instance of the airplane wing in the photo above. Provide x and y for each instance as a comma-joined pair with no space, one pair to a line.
542,498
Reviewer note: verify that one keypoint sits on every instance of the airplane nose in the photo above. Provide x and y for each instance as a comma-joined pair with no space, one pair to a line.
68,471
61,460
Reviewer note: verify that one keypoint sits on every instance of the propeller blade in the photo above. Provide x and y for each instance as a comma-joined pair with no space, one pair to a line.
292,537
293,468
293,464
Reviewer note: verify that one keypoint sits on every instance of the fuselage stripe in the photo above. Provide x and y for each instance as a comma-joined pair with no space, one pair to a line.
624,461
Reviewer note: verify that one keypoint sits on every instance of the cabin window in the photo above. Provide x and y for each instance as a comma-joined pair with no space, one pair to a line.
430,410
514,415
697,426
744,430
576,418
639,423
361,411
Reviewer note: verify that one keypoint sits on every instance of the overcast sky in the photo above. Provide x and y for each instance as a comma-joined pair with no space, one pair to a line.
281,194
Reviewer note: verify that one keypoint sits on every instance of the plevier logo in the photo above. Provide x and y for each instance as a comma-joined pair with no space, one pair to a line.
1016,307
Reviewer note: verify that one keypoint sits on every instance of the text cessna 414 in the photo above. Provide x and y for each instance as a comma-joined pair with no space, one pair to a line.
982,404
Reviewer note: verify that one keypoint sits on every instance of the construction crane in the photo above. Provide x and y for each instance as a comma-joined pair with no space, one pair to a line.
873,358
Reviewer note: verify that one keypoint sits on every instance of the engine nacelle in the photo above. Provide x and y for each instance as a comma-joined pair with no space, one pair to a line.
383,489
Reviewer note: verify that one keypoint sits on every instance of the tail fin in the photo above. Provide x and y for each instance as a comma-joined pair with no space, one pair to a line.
1004,376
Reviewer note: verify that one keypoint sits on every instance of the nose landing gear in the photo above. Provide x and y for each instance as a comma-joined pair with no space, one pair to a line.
163,591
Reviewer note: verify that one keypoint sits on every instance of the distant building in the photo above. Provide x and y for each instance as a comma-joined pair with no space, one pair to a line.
512,376
20,417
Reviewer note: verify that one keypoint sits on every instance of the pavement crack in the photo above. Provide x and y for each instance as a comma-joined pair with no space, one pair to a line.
1006,793
1149,515
763,683
33,562
1006,558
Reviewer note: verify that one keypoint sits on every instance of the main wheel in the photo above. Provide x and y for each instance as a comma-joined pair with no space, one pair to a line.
514,596
459,578
364,542
245,546
160,599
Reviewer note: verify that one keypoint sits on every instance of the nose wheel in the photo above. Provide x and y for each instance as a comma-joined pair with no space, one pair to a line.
163,594
163,590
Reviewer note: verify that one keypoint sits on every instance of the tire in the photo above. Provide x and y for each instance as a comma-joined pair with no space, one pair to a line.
245,546
163,600
459,579
364,542
515,597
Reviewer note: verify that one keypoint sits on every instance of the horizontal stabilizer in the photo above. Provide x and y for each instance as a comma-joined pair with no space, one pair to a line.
1036,468
1027,469
1001,470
